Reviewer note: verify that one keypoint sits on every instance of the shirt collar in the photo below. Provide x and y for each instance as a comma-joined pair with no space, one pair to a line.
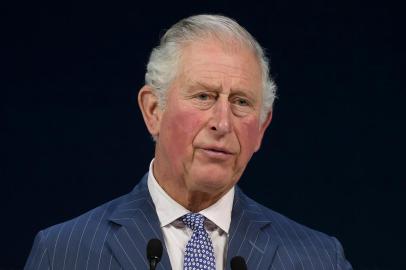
220,212
168,210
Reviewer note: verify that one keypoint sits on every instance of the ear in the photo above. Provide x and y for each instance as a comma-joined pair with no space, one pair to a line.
148,102
262,129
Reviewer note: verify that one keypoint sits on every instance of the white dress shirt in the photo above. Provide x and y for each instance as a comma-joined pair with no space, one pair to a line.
176,234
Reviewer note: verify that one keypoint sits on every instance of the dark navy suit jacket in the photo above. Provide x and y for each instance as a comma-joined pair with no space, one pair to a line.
115,236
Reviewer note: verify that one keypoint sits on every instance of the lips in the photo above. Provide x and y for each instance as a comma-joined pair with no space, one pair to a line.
216,152
217,149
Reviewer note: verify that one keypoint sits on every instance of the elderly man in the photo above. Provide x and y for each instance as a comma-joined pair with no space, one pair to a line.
207,103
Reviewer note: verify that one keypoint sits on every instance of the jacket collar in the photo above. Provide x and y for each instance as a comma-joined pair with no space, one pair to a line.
134,222
250,236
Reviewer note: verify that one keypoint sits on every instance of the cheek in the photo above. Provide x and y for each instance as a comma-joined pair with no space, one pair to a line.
179,130
249,136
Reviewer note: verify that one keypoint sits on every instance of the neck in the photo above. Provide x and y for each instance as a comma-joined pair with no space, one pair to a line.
197,201
194,201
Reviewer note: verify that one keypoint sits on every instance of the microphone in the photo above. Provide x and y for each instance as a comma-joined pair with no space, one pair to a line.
154,253
238,263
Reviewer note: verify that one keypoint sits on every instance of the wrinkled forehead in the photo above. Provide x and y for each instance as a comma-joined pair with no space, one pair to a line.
214,58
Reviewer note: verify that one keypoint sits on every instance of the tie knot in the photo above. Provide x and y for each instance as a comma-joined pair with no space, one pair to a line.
195,221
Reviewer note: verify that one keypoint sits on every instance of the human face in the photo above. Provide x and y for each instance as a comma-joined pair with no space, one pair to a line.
210,125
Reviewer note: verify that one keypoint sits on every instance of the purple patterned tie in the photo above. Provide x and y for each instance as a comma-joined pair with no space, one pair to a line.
199,253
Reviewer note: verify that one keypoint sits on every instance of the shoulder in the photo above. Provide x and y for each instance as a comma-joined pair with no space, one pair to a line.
66,244
82,240
298,243
80,228
93,222
285,227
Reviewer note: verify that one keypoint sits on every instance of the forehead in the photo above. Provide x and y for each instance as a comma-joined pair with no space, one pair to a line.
224,64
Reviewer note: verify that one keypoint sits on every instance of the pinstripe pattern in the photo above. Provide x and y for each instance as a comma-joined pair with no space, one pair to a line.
115,235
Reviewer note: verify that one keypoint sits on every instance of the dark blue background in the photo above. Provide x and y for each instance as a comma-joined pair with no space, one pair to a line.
72,136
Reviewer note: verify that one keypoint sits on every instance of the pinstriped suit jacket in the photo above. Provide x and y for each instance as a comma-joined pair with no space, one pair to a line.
115,235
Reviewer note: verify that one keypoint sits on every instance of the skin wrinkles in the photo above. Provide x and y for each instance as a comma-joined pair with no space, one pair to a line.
209,128
195,88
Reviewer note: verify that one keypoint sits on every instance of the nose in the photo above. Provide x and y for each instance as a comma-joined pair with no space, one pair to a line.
221,118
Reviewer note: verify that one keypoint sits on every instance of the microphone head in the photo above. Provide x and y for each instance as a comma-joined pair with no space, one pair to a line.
154,250
238,263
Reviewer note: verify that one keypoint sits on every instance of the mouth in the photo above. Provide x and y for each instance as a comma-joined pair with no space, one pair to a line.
223,151
216,152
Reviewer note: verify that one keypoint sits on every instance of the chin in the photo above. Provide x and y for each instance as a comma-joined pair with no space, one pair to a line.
212,184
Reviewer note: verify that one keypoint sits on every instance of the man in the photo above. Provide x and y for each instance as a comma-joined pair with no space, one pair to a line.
207,103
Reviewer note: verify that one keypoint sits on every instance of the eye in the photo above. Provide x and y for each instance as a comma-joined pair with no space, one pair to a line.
204,100
203,96
242,106
241,102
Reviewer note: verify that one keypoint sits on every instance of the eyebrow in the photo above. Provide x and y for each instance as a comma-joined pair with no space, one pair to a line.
206,86
217,87
192,85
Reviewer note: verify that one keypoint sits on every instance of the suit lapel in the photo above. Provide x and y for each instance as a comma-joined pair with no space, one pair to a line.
248,237
134,223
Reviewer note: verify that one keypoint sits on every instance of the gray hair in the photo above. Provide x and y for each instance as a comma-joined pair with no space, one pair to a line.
163,63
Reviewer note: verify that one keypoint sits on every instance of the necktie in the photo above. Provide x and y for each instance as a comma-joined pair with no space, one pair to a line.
199,253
